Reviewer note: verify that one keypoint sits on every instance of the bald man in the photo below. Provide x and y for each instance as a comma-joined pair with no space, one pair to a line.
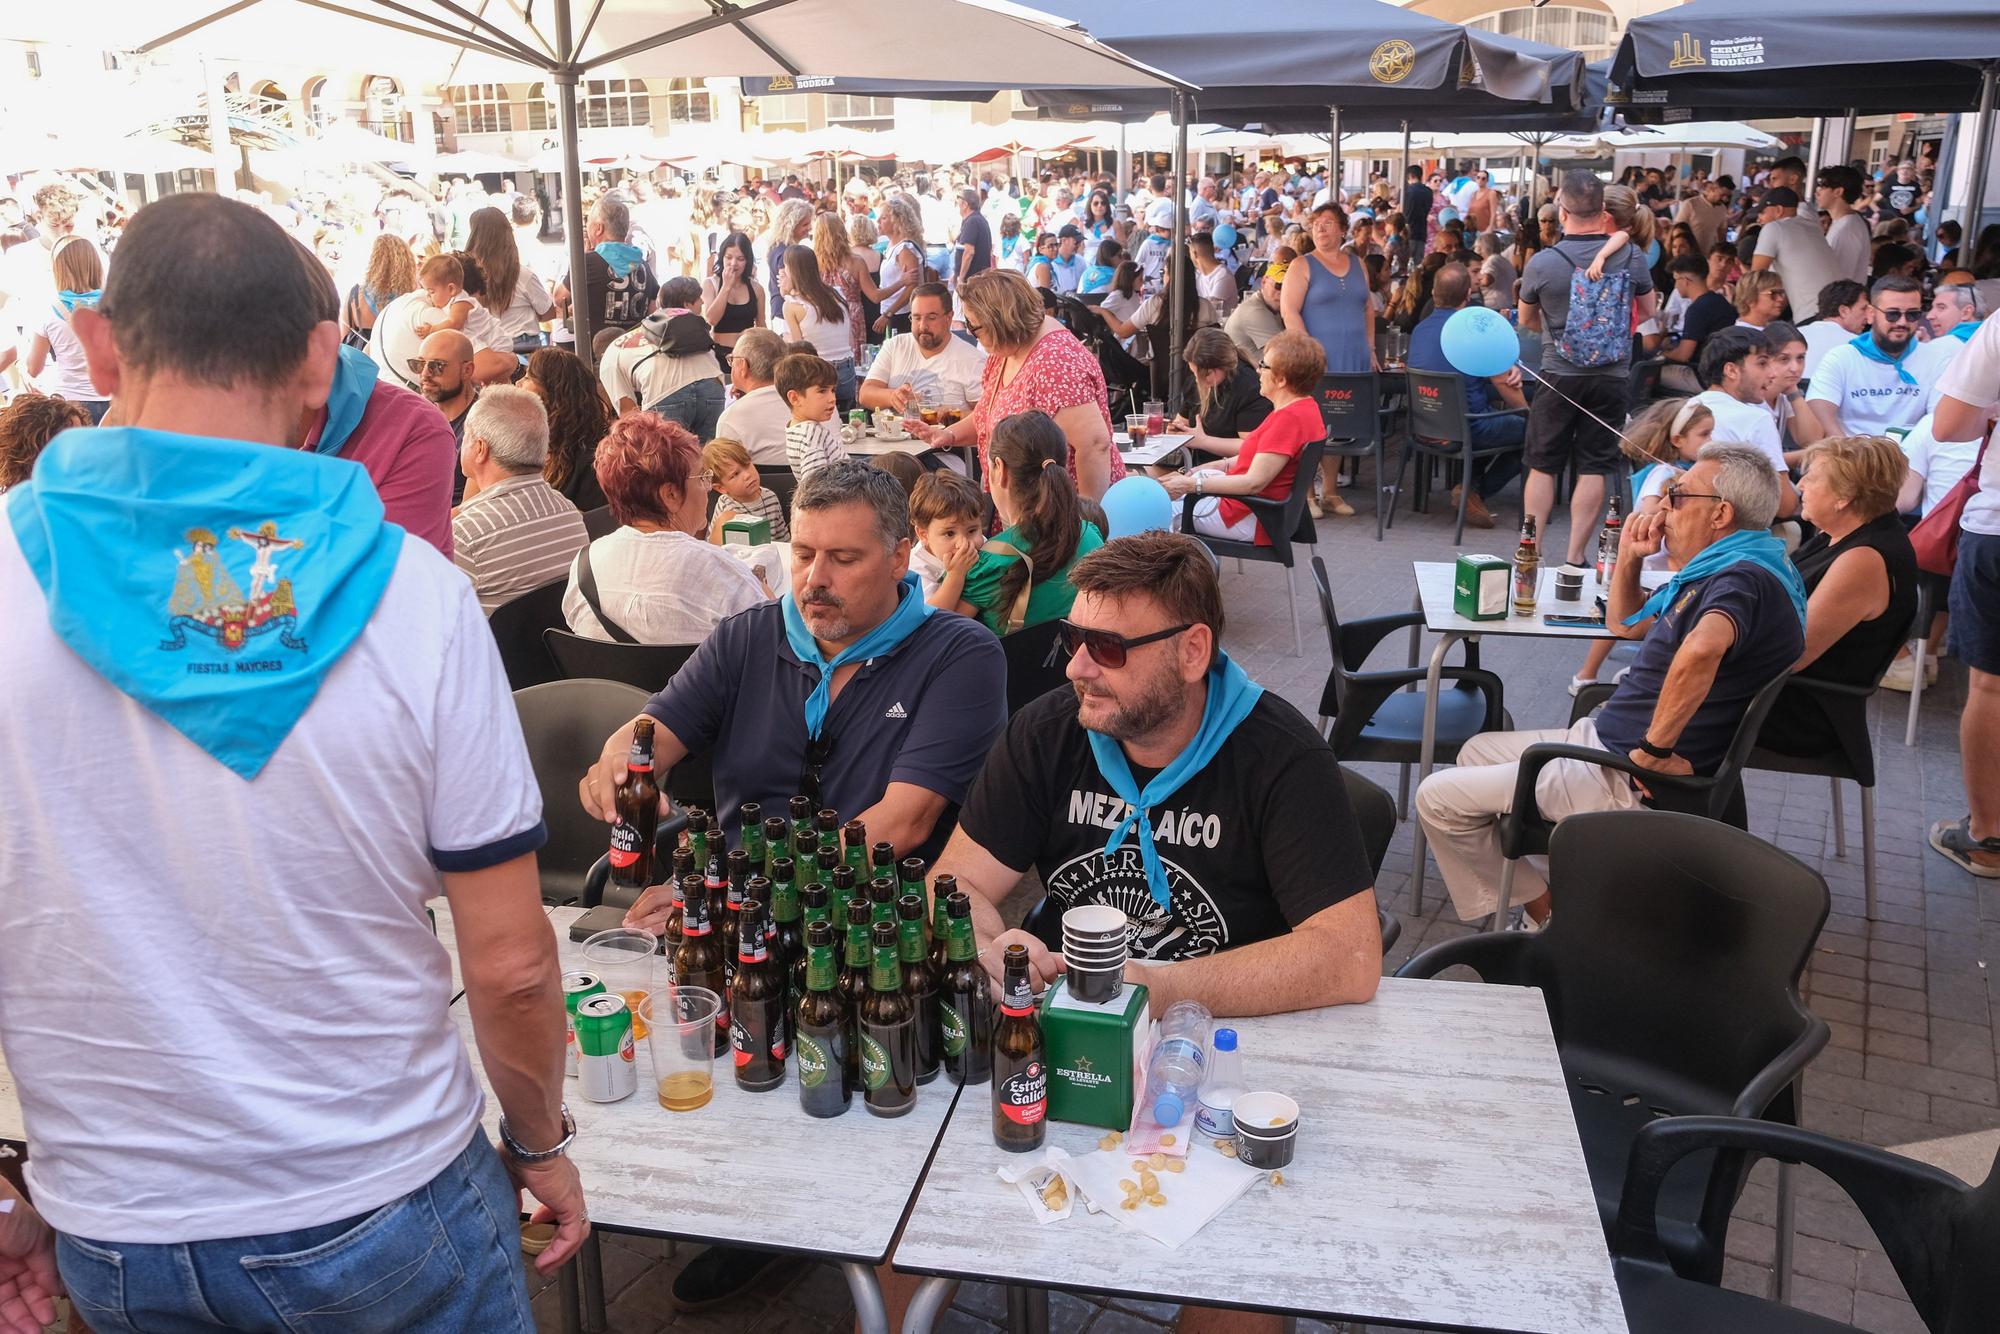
443,371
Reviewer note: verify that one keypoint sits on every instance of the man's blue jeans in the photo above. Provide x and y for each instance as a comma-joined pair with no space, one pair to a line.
443,1259
697,406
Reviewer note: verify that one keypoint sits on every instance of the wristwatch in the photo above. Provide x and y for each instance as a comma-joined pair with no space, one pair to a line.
1657,752
1197,483
522,1155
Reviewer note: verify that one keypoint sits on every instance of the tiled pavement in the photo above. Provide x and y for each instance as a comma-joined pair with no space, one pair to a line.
1908,997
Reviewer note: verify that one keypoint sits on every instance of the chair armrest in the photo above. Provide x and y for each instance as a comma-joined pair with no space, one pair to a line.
594,882
1889,1188
1497,956
1368,691
1589,699
1785,1067
1831,687
1359,638
1536,757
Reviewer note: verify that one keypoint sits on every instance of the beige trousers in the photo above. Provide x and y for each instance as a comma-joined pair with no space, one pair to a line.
1460,809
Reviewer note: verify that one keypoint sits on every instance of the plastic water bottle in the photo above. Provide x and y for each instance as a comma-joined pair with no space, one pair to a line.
1221,1087
1173,1076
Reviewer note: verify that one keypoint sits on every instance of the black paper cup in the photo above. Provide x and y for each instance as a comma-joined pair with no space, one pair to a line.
1259,1142
1096,988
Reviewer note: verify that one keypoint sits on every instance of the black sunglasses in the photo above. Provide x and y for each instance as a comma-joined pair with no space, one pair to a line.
436,365
1896,316
819,749
1107,649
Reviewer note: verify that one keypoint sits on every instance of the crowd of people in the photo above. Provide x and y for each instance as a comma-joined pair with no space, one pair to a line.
864,666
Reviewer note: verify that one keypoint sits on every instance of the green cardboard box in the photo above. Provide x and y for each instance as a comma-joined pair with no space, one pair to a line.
1091,1050
742,531
1480,588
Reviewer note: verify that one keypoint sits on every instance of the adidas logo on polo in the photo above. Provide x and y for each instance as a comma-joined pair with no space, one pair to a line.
897,710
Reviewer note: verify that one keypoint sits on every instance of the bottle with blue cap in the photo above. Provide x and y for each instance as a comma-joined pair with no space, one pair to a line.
1173,1075
1221,1087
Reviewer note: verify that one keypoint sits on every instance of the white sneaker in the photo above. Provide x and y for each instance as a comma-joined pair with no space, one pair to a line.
1902,673
1524,923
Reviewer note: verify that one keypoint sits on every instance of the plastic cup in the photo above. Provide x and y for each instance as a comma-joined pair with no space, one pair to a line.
680,1034
1135,426
629,962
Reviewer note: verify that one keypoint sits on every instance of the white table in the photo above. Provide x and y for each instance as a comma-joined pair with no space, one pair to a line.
1156,449
835,1189
1397,1209
1434,598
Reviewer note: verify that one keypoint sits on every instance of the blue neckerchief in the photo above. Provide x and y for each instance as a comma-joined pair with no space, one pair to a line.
1964,330
620,256
1865,345
69,300
214,581
1759,548
902,623
1231,696
353,381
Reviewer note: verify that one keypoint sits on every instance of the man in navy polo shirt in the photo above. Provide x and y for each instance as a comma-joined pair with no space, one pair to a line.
902,724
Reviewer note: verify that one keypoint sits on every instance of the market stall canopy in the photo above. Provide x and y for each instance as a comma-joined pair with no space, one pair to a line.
471,163
1735,58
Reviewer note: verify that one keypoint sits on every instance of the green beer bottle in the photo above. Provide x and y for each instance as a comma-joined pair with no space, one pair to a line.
697,835
841,878
822,1030
750,835
853,984
920,984
965,1005
946,886
882,900
855,850
801,811
777,841
888,1029
786,921
813,908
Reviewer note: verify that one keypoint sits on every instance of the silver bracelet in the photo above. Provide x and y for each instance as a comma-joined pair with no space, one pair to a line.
522,1155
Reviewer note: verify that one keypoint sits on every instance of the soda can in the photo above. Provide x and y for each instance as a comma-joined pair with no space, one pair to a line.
575,987
604,1058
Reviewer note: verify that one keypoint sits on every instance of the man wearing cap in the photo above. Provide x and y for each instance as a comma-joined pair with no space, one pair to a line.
1068,265
1789,173
1793,247
1256,319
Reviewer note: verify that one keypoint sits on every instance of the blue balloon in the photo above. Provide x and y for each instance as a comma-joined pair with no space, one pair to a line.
1225,237
1480,342
1137,504
1447,215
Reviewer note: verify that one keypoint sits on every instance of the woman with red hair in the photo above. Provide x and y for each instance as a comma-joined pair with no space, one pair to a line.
654,580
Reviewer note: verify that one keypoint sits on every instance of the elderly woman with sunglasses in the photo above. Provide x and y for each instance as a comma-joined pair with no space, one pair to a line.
1265,462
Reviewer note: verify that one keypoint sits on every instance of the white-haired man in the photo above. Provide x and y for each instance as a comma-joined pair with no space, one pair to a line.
514,532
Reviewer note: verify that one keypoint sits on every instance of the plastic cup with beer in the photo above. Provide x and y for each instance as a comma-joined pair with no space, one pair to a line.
1136,426
680,1034
629,962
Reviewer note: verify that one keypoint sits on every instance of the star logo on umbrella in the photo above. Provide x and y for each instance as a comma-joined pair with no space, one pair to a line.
1392,61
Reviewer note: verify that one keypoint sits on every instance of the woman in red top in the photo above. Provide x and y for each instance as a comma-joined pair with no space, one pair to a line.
1267,459
1033,364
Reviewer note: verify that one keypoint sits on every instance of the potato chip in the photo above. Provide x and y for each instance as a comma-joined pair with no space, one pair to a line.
1129,1186
1166,1139
1156,1199
1138,1164
1277,1178
1177,1164
1055,1194
1130,1202
1156,1160
1108,1142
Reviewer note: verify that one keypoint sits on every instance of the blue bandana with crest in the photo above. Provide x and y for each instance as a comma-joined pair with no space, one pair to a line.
216,582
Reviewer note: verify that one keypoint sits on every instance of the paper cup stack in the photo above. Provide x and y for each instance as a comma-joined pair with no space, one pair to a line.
1095,950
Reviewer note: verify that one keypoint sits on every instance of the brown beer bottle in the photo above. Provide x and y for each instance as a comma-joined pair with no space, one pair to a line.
698,961
637,803
853,984
965,1008
888,1027
677,914
732,918
823,1031
757,1010
1020,1072
920,984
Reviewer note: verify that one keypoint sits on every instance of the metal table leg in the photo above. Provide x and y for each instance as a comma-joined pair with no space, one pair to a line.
590,1262
1426,756
927,1304
869,1312
569,1298
1027,1310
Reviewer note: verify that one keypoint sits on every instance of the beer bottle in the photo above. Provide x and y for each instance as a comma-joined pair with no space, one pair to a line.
750,834
637,803
801,809
785,919
757,1015
856,851
841,877
1020,1074
882,860
888,1029
813,905
965,1008
716,886
805,851
777,841
882,900
1527,567
853,983
698,960
684,864
822,1030
920,984
828,825
941,893
677,913
698,840
732,917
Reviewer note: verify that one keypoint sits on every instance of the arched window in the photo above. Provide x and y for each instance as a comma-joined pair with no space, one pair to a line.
383,97
541,112
689,102
481,108
313,102
611,103
269,102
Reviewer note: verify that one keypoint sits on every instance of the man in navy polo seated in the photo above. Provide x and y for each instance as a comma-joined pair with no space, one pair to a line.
1450,290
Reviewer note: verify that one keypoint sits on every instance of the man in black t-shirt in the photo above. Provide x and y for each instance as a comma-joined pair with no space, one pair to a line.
1268,905
1417,200
975,237
1707,313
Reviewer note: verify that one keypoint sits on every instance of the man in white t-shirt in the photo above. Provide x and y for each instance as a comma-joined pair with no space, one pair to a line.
757,417
928,359
1835,191
1952,320
1736,366
1870,384
1793,247
225,1010
1968,401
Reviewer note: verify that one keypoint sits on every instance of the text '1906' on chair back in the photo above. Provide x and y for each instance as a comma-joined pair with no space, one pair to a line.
1437,407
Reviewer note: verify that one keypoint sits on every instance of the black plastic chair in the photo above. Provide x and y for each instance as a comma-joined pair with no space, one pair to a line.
517,629
1940,1234
1718,796
1036,664
1373,717
1285,522
1671,975
1644,385
564,724
1351,407
1440,428
1375,813
782,482
1931,591
647,666
599,523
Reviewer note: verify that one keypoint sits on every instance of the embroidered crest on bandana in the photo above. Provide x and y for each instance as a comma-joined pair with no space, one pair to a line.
208,600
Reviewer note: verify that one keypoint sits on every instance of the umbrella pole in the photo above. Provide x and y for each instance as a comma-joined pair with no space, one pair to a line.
1333,172
581,315
1179,296
1982,149
1402,184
